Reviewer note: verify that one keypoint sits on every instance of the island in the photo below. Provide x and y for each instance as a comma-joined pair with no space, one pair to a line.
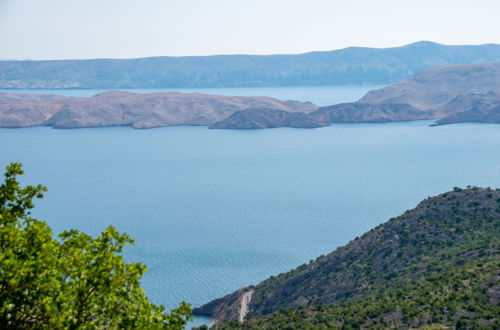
138,110
450,94
447,94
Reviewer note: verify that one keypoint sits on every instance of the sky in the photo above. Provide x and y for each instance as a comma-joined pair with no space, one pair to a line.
79,29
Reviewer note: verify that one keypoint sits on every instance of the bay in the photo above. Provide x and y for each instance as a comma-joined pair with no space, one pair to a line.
214,210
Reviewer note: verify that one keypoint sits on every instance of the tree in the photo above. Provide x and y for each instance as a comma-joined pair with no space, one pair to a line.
74,282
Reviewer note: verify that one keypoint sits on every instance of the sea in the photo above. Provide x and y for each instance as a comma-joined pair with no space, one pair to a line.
215,210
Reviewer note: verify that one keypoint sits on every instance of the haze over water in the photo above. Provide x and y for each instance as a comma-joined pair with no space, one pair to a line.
319,95
214,210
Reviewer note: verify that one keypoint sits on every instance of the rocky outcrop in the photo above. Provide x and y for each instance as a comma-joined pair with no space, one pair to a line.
268,118
226,308
131,109
369,112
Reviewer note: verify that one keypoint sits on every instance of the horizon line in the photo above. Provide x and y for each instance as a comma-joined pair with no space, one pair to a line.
244,54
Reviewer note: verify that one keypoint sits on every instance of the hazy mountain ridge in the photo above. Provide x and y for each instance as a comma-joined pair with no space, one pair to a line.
353,65
446,233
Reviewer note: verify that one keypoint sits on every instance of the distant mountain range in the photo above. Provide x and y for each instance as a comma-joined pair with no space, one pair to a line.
353,65
434,267
449,94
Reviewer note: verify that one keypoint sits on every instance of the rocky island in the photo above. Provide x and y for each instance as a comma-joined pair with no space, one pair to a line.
432,88
449,94
435,93
138,110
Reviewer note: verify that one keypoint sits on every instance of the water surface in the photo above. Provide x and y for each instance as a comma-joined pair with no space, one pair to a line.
319,95
214,210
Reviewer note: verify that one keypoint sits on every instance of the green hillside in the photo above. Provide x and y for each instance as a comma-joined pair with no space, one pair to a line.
436,265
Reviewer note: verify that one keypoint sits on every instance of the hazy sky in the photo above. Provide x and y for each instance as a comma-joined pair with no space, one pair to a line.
56,29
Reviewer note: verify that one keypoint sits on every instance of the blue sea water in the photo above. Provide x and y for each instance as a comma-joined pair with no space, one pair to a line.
319,95
214,210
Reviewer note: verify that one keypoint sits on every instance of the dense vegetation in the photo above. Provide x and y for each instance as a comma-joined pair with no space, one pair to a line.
450,295
436,265
74,282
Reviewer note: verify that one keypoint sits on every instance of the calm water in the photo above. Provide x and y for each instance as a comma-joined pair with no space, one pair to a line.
319,95
214,210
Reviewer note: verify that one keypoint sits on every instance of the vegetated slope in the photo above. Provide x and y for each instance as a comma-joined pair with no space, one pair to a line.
465,297
268,118
139,110
353,65
438,263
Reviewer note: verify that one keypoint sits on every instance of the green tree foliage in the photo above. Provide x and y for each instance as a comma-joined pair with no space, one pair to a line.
74,282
